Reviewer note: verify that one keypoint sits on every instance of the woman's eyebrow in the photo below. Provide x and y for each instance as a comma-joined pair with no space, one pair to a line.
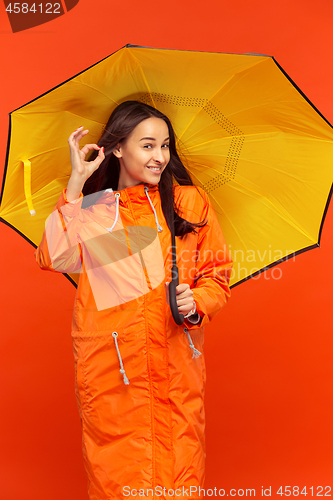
151,139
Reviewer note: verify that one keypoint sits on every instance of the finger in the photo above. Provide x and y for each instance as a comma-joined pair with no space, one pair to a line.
186,294
100,157
78,131
185,302
188,302
186,305
88,147
74,139
95,164
182,287
78,134
167,293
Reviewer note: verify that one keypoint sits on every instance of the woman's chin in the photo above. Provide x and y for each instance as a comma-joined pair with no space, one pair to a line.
153,178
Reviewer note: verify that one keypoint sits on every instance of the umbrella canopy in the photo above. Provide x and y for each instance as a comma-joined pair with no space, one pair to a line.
247,134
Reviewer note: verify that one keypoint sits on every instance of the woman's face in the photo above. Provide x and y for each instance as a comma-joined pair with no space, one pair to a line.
144,155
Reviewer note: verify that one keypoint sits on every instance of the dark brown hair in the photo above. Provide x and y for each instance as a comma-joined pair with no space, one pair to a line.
123,120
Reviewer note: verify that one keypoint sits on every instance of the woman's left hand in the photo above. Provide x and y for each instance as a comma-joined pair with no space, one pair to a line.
184,297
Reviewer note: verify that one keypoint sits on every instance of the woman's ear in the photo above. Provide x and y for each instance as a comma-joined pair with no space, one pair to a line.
117,151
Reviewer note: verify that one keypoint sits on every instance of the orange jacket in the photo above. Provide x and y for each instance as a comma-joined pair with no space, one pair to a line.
139,378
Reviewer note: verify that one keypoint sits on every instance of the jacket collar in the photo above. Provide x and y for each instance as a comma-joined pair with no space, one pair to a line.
133,193
136,195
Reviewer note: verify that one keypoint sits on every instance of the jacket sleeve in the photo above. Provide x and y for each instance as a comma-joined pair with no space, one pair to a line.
213,268
194,319
59,249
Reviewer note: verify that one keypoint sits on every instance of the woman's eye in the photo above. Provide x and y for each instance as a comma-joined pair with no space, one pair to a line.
147,146
166,145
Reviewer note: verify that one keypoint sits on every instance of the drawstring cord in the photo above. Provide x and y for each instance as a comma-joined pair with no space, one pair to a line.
122,370
196,353
117,195
159,228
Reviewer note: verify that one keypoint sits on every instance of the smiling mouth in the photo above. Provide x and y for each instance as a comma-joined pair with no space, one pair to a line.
155,169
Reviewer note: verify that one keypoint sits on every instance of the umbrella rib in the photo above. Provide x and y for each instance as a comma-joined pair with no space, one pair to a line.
258,134
84,117
276,210
143,76
212,97
225,215
99,91
240,77
63,147
275,169
230,222
225,138
46,151
260,105
250,162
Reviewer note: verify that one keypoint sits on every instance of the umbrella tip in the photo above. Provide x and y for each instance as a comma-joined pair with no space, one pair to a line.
32,212
129,45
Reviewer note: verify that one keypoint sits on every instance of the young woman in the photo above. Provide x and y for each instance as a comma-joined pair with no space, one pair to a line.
139,377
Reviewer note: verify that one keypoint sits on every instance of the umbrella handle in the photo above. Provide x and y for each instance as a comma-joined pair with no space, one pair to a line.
177,316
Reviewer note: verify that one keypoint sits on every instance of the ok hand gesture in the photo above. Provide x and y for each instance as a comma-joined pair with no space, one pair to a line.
81,168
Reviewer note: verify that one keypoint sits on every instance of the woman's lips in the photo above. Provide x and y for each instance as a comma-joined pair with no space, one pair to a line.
152,169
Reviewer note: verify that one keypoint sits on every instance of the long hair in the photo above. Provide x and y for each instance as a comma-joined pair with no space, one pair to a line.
123,120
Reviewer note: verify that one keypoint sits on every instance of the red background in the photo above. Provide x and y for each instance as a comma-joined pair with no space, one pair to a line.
269,392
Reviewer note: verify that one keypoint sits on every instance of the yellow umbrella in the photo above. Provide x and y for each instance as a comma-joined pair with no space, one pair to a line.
248,135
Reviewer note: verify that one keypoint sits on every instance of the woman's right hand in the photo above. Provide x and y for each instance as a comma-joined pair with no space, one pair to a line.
81,168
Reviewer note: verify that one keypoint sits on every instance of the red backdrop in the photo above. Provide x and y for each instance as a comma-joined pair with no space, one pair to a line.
269,399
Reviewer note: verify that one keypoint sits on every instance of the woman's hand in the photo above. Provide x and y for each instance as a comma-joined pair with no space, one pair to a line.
80,168
184,297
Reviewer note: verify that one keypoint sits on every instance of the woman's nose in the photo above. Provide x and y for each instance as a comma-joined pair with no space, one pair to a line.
158,155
